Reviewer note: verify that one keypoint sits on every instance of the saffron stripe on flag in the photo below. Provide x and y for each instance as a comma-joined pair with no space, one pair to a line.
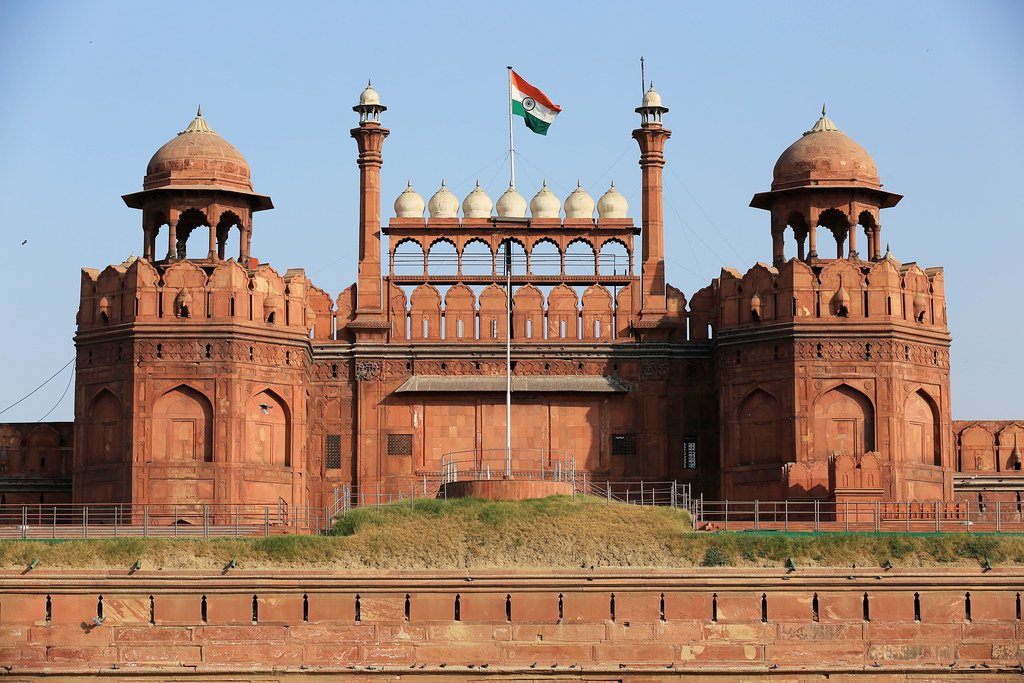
522,86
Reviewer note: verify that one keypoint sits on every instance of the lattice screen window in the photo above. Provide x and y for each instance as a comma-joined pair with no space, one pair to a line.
623,444
400,444
333,451
690,452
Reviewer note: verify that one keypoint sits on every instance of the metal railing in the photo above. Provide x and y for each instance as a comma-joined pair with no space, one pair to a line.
865,516
69,521
662,493
76,521
530,464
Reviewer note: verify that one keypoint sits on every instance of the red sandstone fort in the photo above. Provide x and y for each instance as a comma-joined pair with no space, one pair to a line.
206,376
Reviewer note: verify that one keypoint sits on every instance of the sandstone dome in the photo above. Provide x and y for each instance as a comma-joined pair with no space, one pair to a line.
825,156
198,156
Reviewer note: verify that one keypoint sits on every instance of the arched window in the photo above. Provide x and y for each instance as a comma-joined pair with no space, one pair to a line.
477,259
614,258
580,258
443,259
545,258
407,259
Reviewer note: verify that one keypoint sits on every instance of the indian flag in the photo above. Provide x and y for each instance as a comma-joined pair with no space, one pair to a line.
533,105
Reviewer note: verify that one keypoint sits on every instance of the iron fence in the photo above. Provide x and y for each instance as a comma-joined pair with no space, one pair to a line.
866,516
71,521
78,521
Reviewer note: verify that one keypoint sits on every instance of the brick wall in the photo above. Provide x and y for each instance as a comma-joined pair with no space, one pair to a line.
649,627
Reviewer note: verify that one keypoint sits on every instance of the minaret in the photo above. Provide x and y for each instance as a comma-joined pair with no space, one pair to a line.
651,137
369,323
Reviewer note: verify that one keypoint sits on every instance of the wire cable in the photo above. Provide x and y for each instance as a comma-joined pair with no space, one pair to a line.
38,388
59,399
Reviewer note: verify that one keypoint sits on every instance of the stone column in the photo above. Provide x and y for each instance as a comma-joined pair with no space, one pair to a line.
651,137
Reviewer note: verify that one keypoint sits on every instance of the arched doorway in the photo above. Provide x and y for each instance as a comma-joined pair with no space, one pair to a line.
182,427
760,435
267,430
103,434
922,442
844,422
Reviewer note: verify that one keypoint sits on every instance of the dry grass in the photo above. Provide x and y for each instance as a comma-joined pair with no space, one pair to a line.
547,533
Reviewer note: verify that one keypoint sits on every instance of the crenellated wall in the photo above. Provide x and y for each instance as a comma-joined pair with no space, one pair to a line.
875,624
191,385
833,380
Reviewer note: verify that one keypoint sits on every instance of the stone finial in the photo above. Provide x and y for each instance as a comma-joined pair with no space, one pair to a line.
511,204
477,204
545,204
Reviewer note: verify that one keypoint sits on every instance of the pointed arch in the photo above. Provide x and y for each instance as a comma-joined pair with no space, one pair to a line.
43,445
189,220
425,312
563,313
759,422
597,313
476,258
580,257
614,258
922,441
493,313
518,257
460,313
226,221
104,441
267,430
182,427
443,258
528,314
545,257
407,258
844,422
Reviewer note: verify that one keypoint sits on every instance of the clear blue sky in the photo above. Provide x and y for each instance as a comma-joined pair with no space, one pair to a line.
89,90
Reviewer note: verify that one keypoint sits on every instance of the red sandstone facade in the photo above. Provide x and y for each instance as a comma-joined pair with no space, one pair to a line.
604,625
219,379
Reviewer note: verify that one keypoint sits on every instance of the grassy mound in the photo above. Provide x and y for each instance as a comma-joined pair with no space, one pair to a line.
555,532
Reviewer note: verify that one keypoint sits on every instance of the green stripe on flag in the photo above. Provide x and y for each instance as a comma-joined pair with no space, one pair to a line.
532,122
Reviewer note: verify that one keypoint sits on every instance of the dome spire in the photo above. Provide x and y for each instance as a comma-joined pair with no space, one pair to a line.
198,125
824,124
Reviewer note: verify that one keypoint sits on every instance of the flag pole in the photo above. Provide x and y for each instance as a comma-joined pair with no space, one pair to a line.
511,140
508,295
508,359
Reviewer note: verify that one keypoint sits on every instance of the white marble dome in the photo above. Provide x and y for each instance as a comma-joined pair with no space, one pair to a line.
579,204
651,98
443,204
409,204
545,204
477,204
511,204
612,204
369,96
